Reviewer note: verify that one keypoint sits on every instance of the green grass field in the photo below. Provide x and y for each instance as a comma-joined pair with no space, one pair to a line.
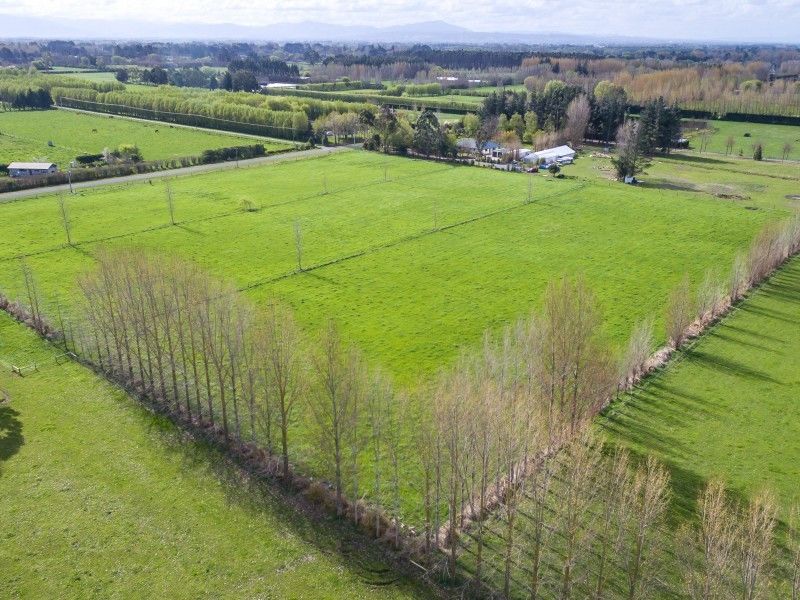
24,136
87,75
728,406
414,259
773,137
100,498
409,292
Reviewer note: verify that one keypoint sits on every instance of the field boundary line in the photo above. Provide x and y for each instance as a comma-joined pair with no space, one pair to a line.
220,215
405,239
274,158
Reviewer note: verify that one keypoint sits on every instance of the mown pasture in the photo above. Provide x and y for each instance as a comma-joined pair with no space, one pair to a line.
101,498
745,135
727,406
414,259
26,135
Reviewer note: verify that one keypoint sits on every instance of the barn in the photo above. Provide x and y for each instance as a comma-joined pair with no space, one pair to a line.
560,154
31,169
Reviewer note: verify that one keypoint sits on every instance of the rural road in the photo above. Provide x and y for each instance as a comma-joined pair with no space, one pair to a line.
195,170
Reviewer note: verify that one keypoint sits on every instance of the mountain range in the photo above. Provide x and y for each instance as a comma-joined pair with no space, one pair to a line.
19,27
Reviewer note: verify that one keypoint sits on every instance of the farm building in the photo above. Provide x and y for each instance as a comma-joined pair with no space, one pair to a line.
493,150
557,154
467,145
31,169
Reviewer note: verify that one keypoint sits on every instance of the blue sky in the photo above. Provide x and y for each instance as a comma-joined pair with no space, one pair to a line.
731,20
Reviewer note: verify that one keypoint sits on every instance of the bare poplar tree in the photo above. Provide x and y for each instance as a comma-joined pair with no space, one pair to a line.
540,525
647,499
285,376
738,281
450,397
755,541
65,220
332,404
709,296
33,296
573,362
170,202
638,352
298,244
573,522
708,575
679,313
613,485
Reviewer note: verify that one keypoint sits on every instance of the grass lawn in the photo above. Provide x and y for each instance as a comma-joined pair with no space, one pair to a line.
103,499
24,136
728,407
773,137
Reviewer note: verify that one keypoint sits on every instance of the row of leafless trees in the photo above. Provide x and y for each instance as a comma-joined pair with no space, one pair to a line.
689,313
589,526
496,416
734,551
195,347
591,522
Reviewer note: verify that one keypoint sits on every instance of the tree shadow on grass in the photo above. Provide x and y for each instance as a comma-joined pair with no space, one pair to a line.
769,313
731,367
267,497
680,157
742,342
11,439
659,183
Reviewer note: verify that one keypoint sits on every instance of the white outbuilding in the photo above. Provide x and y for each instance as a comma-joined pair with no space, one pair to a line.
561,154
31,169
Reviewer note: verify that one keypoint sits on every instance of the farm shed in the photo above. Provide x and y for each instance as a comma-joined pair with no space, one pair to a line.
557,154
31,169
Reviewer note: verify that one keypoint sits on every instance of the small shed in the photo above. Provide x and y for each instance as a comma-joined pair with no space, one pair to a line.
31,169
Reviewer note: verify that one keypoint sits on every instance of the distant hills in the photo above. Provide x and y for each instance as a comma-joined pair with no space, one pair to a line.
429,32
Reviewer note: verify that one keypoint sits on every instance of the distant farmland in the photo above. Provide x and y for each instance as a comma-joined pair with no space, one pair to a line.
26,136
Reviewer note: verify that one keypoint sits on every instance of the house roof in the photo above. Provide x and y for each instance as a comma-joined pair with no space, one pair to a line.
469,143
30,165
